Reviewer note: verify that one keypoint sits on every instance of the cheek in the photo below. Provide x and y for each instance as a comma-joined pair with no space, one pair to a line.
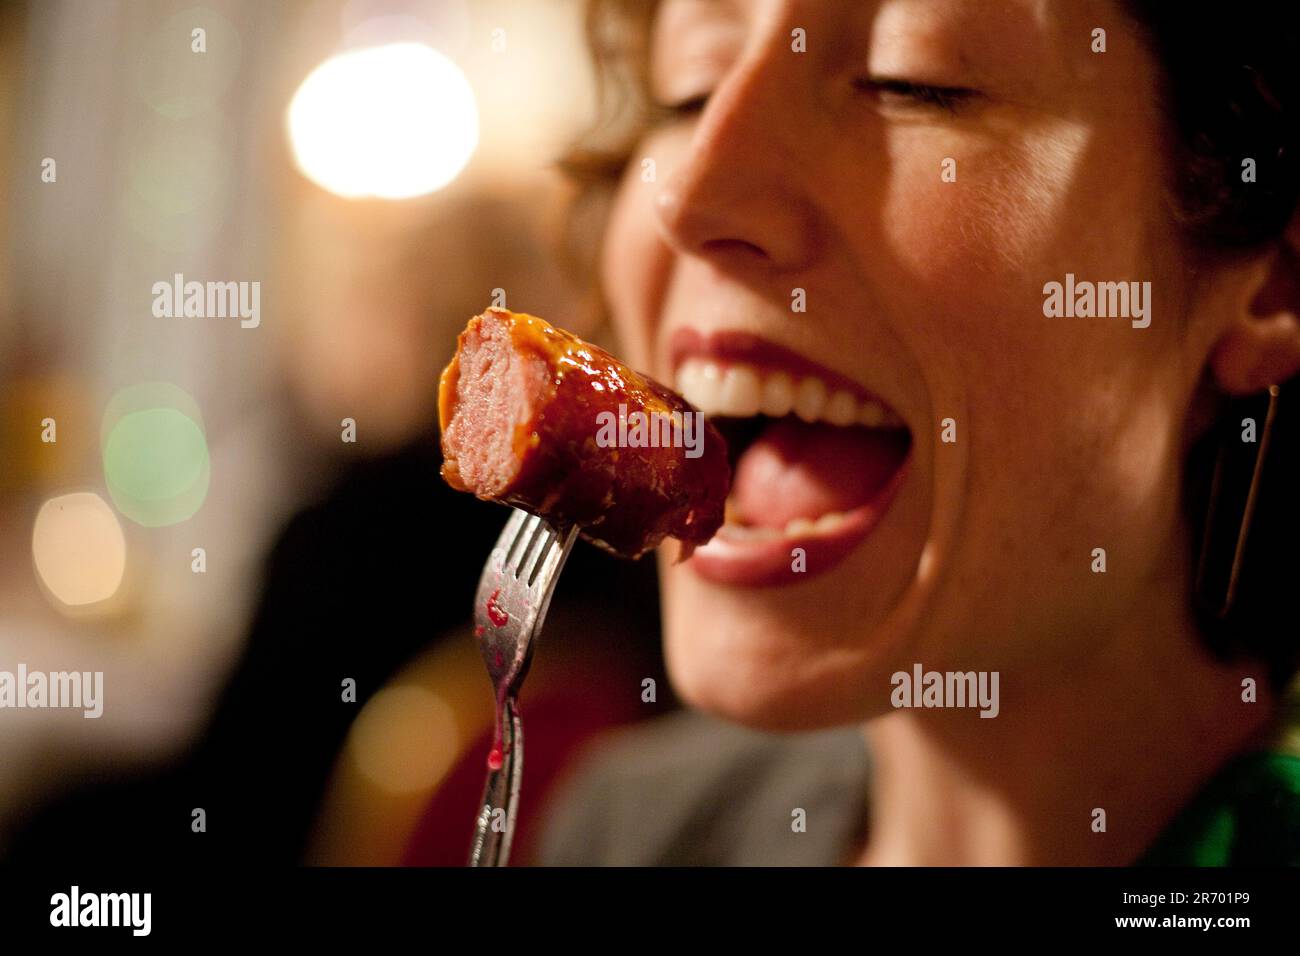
635,264
969,259
1072,424
1040,504
956,207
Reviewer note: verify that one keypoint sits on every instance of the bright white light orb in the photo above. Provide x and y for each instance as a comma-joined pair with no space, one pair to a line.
79,549
392,121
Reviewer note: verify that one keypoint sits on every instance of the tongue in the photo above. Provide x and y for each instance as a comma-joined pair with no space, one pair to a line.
796,470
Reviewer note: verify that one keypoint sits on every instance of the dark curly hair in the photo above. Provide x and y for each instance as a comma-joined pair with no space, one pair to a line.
1231,90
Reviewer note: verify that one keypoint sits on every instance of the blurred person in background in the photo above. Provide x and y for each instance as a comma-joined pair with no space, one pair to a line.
315,691
921,172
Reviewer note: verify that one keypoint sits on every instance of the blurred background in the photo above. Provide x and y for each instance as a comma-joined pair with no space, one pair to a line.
235,518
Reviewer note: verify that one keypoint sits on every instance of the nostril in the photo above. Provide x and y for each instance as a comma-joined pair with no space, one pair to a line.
732,248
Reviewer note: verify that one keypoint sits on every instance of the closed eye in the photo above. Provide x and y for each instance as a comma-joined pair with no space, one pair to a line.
681,109
907,93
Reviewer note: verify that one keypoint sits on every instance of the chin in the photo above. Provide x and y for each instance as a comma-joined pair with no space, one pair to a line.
786,659
777,680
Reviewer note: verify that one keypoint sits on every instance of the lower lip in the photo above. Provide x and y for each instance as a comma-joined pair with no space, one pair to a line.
766,564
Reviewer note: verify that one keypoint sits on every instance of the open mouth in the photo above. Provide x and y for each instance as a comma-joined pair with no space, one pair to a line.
815,458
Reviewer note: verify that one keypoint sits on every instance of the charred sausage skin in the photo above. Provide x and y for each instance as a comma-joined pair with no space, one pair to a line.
520,406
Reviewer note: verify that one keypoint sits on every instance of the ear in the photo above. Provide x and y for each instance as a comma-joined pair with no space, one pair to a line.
1261,344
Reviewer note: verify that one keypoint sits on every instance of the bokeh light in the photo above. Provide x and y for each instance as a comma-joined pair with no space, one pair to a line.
405,739
180,179
179,166
392,121
176,80
79,549
155,454
26,459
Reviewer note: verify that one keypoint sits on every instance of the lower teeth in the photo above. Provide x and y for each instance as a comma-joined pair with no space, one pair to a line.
741,532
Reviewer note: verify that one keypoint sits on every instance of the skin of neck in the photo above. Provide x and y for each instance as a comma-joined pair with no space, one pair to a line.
1135,729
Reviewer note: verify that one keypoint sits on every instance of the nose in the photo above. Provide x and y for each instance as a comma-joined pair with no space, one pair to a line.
739,196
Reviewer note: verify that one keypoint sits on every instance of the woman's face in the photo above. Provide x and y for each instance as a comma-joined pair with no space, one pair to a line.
912,175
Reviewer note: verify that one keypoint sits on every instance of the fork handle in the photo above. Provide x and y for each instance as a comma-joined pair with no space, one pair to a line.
495,827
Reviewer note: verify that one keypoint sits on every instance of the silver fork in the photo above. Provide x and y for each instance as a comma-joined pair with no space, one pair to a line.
514,593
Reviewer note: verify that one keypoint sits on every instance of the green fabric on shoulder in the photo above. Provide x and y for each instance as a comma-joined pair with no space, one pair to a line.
1247,815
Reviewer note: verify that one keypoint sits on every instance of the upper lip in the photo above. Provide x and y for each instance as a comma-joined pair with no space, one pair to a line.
745,347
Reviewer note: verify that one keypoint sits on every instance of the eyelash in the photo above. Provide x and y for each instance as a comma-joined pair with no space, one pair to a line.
683,108
950,99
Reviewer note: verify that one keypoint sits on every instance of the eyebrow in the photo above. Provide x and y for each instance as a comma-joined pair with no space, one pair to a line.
966,33
961,30
696,3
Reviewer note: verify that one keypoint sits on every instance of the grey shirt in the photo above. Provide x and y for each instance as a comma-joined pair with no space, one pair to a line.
690,790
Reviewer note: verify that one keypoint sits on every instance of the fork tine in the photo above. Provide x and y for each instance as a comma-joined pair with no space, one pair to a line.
544,556
515,531
556,552
537,533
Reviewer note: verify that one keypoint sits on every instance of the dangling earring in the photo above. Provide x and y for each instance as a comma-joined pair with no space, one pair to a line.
1234,494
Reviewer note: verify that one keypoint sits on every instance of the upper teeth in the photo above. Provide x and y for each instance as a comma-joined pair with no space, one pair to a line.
742,391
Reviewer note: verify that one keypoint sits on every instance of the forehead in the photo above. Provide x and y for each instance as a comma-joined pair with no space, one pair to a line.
1029,42
1036,16
1038,8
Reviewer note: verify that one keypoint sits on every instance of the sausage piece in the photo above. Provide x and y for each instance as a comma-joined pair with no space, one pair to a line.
530,417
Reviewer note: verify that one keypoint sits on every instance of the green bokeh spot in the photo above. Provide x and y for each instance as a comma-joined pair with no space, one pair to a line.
155,459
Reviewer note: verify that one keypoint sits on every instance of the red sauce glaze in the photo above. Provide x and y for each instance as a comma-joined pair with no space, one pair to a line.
497,616
626,499
496,756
